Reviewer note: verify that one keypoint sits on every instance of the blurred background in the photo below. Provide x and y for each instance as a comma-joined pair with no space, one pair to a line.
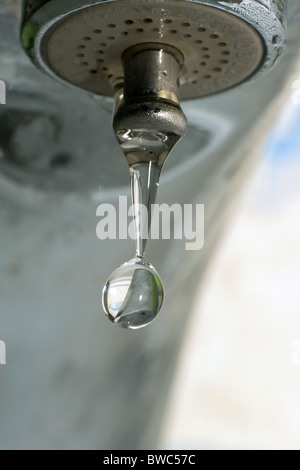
238,379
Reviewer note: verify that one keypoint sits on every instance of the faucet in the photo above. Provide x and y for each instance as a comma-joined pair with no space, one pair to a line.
148,56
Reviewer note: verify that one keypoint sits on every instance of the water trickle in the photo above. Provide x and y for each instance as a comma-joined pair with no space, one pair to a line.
133,295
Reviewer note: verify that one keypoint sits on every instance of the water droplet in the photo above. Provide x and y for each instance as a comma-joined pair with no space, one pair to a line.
133,295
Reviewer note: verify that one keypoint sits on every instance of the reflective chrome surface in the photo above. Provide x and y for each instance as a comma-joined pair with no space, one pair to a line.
223,43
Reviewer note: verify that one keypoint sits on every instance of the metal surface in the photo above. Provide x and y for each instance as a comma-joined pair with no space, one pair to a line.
148,119
222,47
152,70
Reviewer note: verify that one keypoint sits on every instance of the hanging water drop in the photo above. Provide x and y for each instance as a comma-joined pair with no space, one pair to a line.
148,122
133,295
